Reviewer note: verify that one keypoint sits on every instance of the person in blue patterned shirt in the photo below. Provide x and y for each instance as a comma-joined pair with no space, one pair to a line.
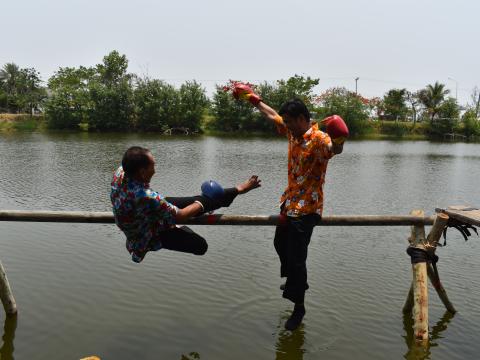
148,219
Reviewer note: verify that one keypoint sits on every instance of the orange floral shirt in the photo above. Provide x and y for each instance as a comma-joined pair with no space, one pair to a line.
307,167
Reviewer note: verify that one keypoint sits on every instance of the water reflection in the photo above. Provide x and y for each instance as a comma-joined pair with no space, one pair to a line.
6,351
290,344
192,356
418,350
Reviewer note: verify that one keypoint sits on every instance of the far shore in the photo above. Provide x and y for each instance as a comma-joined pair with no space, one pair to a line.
10,123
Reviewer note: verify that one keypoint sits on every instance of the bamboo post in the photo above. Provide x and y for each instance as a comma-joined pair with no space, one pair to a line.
437,285
420,301
6,295
420,273
417,300
416,239
419,231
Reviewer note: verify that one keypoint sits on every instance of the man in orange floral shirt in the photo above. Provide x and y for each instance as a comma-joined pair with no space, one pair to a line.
309,150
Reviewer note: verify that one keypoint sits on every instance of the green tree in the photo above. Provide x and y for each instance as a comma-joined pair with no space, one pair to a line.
351,107
394,106
413,100
432,97
111,95
193,104
229,114
447,117
471,124
157,105
69,103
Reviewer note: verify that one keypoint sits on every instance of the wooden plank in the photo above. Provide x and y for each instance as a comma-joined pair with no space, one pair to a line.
466,214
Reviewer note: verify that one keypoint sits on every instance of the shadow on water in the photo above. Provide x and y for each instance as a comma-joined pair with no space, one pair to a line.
290,344
418,350
6,351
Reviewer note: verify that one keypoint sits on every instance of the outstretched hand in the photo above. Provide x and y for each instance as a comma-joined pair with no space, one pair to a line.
252,183
243,91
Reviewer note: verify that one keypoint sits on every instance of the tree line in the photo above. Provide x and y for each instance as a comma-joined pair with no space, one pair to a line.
108,98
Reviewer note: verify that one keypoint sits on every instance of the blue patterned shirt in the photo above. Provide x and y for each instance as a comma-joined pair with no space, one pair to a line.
141,213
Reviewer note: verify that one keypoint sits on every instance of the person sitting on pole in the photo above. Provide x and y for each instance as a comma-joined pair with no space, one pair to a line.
301,205
148,219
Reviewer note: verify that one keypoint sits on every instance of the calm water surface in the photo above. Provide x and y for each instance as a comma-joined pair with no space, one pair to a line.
79,294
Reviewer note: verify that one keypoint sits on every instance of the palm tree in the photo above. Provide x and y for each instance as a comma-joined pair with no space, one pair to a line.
432,97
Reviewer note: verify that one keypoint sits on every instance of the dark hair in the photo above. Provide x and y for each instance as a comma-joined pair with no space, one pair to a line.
134,159
295,108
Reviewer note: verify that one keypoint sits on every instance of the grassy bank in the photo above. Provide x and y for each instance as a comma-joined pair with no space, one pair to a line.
22,122
372,130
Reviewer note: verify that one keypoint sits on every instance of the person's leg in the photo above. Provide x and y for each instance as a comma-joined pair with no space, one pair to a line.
185,240
183,201
280,244
299,234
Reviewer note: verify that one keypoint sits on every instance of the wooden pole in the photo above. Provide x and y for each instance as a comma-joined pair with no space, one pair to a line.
417,299
216,219
442,293
6,295
416,239
434,279
420,282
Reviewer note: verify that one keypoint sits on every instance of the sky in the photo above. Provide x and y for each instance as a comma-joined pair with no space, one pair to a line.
385,43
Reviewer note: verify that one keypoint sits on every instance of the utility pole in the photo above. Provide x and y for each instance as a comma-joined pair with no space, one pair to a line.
456,88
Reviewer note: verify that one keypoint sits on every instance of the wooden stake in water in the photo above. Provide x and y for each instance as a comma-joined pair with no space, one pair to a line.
6,295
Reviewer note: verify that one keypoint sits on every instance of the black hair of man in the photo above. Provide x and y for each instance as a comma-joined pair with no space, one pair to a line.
134,159
295,108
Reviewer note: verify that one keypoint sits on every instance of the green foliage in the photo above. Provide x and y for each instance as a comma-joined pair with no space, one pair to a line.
394,107
447,118
395,129
432,97
232,115
69,104
229,114
193,104
20,89
112,106
157,105
352,108
471,124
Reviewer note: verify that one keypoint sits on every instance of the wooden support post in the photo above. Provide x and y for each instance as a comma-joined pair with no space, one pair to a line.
420,273
416,239
420,301
6,295
437,285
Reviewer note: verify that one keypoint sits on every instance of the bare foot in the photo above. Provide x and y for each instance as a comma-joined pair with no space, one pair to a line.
252,183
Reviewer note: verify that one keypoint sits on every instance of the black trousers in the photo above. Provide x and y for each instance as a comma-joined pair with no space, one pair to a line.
291,243
184,239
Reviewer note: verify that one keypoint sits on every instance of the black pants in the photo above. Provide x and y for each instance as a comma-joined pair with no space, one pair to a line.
291,243
183,238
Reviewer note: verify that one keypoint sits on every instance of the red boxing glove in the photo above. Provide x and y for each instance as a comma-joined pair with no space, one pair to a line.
244,92
336,128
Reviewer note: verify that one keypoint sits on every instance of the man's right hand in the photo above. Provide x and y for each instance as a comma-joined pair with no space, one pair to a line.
245,92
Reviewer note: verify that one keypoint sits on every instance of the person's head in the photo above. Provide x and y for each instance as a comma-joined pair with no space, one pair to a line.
296,117
138,164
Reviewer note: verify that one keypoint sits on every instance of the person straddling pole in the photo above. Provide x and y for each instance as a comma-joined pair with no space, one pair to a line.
148,218
301,205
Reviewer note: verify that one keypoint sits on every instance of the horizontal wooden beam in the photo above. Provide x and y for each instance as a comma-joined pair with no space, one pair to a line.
216,219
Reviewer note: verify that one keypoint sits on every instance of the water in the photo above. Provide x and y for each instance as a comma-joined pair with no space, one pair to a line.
79,294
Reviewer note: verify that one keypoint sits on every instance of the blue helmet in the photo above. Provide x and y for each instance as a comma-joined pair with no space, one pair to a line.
212,189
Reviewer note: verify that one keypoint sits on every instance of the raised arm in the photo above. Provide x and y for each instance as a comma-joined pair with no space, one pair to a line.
245,92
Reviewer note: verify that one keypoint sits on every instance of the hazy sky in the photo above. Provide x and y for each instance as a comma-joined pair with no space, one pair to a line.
387,44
